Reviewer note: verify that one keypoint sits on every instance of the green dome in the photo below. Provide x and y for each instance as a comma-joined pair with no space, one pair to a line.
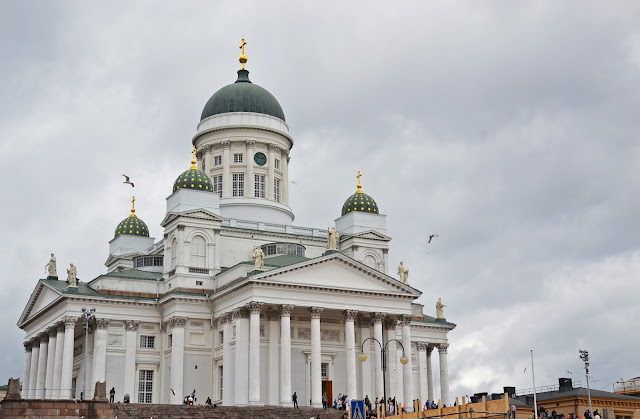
132,226
193,179
360,201
242,96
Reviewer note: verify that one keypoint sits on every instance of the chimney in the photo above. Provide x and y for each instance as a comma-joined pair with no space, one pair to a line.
511,391
565,384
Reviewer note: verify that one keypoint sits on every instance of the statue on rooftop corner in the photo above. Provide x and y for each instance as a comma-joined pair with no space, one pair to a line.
51,266
440,309
258,256
332,238
72,274
404,273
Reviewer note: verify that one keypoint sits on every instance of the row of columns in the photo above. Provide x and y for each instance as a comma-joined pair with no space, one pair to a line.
48,367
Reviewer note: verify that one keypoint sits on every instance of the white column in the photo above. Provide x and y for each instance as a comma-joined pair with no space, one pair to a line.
57,367
407,372
392,358
130,358
51,360
67,357
217,250
254,354
250,180
241,372
100,351
227,368
180,254
273,371
177,359
377,334
316,357
365,367
226,170
429,374
33,374
42,365
208,162
444,373
271,176
26,372
285,355
350,346
422,362
285,176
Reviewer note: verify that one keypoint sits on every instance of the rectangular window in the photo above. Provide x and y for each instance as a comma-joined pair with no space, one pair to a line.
237,158
276,189
145,386
323,370
220,375
217,185
217,160
148,342
276,163
238,184
204,167
259,192
221,337
170,341
198,282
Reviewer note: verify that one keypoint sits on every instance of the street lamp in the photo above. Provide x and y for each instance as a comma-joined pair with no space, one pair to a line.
87,316
584,355
383,349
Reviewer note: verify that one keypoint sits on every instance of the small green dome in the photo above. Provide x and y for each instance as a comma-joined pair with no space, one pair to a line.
242,96
132,226
193,178
360,201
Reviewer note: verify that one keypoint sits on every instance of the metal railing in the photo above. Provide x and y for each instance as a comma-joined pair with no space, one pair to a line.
545,389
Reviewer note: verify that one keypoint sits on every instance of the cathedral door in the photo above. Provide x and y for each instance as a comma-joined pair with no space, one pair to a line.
327,387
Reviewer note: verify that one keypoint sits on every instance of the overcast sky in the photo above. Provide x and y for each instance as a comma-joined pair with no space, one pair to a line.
508,128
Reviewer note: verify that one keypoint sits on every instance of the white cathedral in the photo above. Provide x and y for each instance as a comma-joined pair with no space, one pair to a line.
235,301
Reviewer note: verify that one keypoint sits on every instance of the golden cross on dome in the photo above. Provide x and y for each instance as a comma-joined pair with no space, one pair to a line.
242,58
133,207
193,158
359,185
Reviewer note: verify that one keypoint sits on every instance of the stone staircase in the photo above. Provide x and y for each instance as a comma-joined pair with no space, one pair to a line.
167,411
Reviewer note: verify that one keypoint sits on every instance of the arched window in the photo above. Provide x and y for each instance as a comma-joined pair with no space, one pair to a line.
198,252
370,261
174,253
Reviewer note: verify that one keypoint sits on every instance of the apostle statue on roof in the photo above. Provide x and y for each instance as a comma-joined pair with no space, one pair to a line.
440,309
72,274
332,238
51,266
258,256
404,273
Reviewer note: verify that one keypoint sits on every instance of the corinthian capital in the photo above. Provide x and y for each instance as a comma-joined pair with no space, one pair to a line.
226,144
177,322
255,307
102,323
315,312
250,144
285,310
350,315
69,322
406,320
225,318
240,313
443,348
131,325
378,317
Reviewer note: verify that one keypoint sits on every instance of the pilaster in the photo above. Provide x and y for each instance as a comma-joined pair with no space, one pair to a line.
177,359
316,357
285,355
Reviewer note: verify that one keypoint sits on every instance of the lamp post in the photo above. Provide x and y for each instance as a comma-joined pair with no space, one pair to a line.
584,355
87,316
383,349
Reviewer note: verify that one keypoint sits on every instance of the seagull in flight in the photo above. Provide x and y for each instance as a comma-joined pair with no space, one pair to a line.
431,237
174,393
569,372
127,181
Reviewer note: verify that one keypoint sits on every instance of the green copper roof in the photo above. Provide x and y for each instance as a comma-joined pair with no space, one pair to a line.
359,201
242,96
133,226
193,179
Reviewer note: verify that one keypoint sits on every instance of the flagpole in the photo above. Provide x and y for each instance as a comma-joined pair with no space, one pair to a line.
535,401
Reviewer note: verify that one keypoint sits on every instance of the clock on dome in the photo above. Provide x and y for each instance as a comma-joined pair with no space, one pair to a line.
260,159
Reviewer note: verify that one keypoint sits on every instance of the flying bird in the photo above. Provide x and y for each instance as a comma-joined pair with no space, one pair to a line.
525,370
127,181
431,237
569,372
174,393
294,182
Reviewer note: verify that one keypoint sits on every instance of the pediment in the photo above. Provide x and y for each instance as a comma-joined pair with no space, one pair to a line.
41,298
337,272
369,234
199,214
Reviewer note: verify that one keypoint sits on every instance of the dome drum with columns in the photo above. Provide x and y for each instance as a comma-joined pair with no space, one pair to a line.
258,304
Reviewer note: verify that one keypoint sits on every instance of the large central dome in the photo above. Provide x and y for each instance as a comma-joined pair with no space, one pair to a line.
242,96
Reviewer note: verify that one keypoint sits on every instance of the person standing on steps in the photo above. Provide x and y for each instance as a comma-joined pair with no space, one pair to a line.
112,394
294,398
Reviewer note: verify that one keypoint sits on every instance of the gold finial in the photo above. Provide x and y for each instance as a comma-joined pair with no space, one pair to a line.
242,58
133,207
193,158
359,185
